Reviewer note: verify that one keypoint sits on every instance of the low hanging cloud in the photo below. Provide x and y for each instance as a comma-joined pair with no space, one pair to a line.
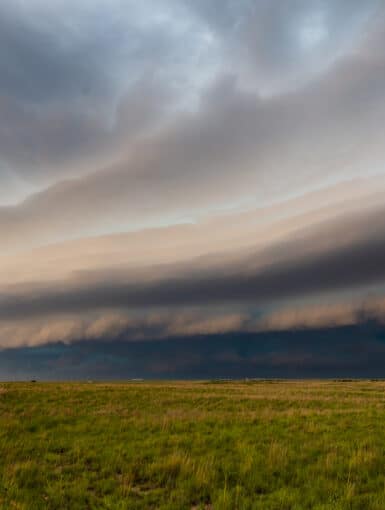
131,327
325,316
124,326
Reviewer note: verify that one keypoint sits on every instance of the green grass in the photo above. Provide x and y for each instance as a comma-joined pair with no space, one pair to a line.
251,445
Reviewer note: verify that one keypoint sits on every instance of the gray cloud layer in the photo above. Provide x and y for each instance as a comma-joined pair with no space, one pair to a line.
307,264
265,141
81,77
65,67
132,115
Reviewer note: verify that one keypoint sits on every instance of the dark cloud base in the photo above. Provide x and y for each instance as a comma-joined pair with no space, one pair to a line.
357,351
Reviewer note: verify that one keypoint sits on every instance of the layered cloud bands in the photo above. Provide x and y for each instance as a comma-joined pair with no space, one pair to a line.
178,169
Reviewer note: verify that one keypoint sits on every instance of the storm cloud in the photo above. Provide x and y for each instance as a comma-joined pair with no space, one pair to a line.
181,168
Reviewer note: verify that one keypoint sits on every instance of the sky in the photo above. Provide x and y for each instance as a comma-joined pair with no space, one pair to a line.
192,188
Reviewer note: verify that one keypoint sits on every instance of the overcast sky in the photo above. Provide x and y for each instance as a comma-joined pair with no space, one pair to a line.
175,168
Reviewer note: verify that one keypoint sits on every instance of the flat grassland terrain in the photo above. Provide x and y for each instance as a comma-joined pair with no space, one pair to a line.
193,445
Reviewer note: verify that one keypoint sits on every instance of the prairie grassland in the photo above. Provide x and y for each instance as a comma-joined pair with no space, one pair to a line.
193,445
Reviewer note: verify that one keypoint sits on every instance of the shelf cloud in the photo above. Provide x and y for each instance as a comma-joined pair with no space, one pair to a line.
182,168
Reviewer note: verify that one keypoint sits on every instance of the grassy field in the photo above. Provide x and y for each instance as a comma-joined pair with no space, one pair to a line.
239,445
